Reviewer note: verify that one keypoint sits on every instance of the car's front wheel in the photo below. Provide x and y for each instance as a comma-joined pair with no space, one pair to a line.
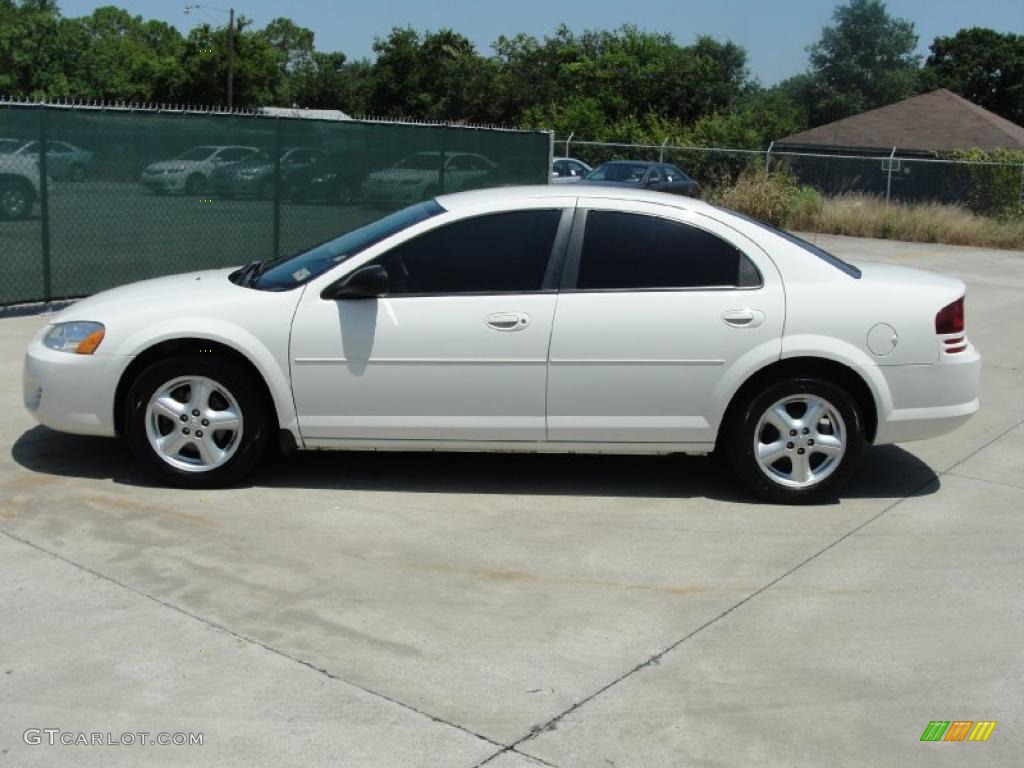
16,199
196,422
797,440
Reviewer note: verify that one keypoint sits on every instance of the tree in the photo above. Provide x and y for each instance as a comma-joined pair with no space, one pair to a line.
866,60
982,65
31,49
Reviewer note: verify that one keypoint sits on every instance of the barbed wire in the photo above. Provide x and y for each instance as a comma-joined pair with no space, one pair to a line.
279,112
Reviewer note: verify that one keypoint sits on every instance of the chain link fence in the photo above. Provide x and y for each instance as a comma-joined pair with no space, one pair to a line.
986,186
91,198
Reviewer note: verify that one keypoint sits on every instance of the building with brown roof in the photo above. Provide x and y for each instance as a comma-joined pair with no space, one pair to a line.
891,151
939,121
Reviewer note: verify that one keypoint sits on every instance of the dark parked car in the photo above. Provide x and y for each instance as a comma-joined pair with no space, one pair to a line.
255,177
643,174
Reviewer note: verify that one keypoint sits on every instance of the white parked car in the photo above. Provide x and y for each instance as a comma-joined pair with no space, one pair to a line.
19,182
418,177
190,172
568,170
582,319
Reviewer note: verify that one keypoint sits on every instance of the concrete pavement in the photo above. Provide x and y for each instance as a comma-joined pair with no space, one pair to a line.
444,610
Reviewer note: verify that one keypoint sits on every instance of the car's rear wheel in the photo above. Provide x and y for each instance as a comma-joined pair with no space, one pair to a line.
196,422
796,441
266,189
77,172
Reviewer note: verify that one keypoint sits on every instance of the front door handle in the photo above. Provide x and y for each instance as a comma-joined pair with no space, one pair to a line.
507,321
743,318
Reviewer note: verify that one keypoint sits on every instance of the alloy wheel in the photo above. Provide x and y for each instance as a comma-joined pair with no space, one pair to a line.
194,423
800,441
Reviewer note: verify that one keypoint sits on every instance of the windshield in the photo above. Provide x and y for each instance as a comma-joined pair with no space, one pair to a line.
811,248
303,267
197,153
618,172
422,161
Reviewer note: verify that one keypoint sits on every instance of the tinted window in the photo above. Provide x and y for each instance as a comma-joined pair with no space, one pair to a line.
618,172
626,250
197,153
235,153
502,253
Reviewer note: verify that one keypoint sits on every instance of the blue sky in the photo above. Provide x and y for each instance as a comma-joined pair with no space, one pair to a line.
774,32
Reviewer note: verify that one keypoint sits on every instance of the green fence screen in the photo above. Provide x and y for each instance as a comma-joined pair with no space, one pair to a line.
93,198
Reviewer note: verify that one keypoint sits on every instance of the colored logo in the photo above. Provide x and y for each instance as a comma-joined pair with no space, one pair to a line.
958,730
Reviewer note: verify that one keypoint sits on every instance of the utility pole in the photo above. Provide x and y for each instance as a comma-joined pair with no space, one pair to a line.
231,58
231,43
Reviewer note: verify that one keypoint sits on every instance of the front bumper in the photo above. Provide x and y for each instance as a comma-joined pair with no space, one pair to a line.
930,400
164,183
71,393
237,185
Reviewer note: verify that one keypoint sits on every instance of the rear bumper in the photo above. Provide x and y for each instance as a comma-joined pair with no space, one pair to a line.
929,400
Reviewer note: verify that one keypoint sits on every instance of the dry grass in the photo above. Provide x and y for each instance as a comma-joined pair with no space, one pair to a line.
778,200
866,216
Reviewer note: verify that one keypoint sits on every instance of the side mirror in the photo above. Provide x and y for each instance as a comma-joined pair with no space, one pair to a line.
365,283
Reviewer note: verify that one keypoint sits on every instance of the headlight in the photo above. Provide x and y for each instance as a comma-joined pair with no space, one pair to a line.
79,338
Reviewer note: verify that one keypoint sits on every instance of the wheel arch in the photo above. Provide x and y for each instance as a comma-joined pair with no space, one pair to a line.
840,373
189,345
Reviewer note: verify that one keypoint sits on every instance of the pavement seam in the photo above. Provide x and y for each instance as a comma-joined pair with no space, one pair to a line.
654,660
258,643
1001,483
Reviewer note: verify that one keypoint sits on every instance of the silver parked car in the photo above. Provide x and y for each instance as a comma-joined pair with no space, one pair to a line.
63,160
568,170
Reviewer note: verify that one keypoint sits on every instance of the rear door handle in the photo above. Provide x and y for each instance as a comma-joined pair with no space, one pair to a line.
507,321
743,318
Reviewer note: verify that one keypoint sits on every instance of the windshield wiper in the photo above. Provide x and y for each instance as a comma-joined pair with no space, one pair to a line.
250,273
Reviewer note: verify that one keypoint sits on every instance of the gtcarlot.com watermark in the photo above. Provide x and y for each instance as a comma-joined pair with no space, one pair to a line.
56,736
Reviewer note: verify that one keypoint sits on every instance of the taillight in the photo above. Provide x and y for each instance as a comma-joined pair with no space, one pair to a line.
950,318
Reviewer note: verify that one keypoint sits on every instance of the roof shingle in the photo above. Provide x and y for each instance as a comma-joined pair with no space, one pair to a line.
939,121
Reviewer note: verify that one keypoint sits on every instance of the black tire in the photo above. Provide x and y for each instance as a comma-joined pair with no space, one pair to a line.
16,198
256,421
195,184
77,172
740,433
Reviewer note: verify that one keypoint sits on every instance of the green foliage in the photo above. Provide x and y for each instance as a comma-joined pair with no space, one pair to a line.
994,190
866,60
624,85
981,65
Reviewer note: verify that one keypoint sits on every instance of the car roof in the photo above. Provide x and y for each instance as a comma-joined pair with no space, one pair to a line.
644,163
498,195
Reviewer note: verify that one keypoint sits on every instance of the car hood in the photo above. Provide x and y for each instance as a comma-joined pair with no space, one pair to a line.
195,305
163,165
401,174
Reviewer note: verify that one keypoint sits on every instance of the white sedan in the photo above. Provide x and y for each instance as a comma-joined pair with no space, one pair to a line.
554,319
